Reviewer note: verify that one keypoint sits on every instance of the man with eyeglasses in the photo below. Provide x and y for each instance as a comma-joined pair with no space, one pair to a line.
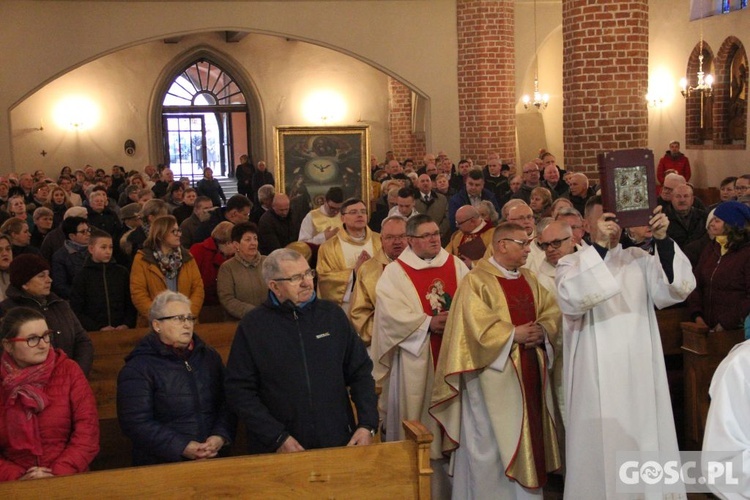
362,311
614,375
531,175
294,363
742,188
491,394
340,257
473,238
522,214
413,297
321,224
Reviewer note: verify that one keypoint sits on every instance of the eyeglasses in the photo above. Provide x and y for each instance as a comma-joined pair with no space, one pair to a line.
176,231
458,223
84,231
333,209
531,171
741,188
33,340
393,237
355,212
520,242
523,217
553,244
426,236
179,318
297,278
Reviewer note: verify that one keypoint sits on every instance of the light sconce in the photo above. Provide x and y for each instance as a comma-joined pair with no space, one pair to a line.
540,101
654,101
76,113
324,106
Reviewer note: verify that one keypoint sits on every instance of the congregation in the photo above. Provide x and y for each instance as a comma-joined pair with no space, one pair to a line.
454,281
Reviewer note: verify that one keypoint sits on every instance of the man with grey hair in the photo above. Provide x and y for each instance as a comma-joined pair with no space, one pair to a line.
575,220
265,199
290,379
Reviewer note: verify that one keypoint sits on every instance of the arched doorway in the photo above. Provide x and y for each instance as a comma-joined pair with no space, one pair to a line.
205,120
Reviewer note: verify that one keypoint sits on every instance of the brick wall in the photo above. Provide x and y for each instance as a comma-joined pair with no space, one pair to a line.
605,76
486,78
404,143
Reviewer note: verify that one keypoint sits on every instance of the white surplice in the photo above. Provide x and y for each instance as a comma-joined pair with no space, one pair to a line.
728,423
616,392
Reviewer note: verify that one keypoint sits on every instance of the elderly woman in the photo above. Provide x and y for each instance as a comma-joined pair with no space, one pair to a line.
210,254
541,203
487,211
30,286
162,264
100,215
241,286
20,236
48,421
560,204
721,299
170,393
43,224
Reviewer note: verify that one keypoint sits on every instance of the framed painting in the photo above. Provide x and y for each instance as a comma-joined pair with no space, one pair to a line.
310,160
628,185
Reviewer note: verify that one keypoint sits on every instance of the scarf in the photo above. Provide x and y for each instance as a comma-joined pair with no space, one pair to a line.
722,240
170,263
74,247
24,398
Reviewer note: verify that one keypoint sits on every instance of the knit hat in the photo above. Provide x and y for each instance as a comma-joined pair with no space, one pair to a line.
24,267
733,213
710,217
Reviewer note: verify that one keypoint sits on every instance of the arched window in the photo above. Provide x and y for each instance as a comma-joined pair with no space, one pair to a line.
204,117
731,93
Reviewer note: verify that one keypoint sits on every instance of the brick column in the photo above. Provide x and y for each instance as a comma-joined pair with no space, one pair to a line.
605,79
404,143
486,78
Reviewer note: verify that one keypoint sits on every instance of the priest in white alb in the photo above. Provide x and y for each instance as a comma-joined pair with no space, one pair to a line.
616,392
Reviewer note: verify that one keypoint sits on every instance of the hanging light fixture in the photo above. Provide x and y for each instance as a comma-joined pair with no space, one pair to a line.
705,82
540,101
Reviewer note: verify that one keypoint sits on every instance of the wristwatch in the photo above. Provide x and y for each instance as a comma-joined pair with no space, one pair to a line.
367,427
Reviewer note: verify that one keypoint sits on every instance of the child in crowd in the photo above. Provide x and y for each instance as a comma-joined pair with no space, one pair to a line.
100,296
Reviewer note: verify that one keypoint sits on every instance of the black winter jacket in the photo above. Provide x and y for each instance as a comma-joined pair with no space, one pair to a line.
164,402
73,339
100,296
288,373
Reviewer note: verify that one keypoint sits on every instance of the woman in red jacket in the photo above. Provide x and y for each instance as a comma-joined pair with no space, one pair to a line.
48,420
210,254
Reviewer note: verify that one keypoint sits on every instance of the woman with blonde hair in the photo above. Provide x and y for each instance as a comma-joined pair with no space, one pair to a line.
162,264
58,202
541,203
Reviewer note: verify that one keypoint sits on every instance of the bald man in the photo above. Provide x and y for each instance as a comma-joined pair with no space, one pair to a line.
473,238
580,191
275,228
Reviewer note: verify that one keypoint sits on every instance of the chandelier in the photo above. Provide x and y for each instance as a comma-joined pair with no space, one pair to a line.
540,101
705,82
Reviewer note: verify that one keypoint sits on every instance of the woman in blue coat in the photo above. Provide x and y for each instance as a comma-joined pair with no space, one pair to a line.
170,395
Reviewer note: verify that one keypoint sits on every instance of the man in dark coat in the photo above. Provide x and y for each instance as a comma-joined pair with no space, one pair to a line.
275,227
288,380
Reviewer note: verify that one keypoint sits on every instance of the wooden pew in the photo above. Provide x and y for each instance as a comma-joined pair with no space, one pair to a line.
669,321
388,470
110,350
703,351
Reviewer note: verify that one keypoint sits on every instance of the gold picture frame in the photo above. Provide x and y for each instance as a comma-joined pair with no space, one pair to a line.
310,160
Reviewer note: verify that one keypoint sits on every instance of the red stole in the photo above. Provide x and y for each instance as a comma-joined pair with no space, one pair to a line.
522,310
436,287
467,237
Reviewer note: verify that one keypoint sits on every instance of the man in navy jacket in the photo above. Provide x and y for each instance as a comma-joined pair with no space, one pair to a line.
292,360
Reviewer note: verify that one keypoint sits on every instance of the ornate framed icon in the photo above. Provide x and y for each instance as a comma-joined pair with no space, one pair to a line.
628,185
310,160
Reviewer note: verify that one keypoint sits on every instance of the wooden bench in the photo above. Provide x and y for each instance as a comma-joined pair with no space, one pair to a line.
398,469
110,350
703,351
